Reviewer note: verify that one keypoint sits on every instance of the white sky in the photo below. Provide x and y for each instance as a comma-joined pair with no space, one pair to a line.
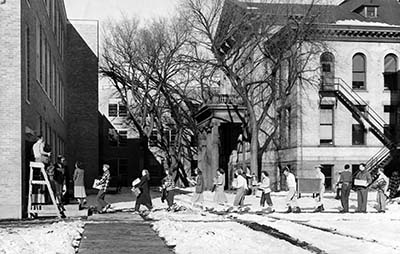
104,9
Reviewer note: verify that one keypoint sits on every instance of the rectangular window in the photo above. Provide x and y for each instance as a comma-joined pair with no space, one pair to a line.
27,65
41,56
153,138
371,11
358,134
123,138
326,125
37,33
122,112
46,65
113,110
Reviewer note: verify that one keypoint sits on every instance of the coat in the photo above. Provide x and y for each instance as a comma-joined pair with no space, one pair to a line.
79,177
199,184
144,187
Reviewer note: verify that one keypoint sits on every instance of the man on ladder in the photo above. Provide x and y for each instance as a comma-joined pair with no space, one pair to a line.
38,151
41,162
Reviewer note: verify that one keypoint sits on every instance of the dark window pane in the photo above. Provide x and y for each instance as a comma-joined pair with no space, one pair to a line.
358,134
122,111
113,110
153,138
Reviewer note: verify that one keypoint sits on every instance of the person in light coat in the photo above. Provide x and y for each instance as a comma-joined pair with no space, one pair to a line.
291,198
382,184
241,186
320,195
220,197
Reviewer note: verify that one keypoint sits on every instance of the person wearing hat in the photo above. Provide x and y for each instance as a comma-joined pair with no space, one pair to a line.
320,194
291,198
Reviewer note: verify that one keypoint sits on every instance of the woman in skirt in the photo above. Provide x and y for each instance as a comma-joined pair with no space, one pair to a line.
79,186
220,197
198,195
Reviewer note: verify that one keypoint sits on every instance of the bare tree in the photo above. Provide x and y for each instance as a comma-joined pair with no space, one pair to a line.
149,68
264,51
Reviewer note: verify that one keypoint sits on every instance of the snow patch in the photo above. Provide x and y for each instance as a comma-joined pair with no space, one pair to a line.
353,22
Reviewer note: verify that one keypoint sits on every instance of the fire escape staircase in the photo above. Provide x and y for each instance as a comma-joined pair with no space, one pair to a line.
338,89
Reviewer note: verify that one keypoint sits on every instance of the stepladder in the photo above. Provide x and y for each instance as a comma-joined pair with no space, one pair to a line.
39,188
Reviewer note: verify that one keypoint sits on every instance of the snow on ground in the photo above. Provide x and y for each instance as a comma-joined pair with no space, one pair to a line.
193,230
40,239
222,237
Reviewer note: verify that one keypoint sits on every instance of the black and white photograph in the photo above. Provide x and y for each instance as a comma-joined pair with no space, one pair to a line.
200,126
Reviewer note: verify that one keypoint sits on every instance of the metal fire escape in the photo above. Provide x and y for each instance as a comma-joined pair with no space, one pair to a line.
368,118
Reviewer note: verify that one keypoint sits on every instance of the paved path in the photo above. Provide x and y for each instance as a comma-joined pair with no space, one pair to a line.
120,233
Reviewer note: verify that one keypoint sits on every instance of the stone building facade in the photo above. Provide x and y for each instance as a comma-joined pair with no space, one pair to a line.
362,53
39,57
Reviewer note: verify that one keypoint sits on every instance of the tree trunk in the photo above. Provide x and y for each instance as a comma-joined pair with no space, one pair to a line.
253,142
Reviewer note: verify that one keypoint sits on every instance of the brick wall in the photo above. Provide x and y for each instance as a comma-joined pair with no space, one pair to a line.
82,104
10,110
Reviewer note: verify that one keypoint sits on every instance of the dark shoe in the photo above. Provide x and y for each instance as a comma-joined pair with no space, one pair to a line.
322,208
289,210
63,215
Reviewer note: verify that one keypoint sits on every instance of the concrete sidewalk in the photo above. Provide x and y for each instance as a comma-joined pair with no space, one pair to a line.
120,233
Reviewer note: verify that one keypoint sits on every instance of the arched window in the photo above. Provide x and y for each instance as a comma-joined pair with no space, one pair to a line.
327,61
359,71
390,72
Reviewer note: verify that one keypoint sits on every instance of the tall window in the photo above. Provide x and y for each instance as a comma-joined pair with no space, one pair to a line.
122,112
359,71
113,110
27,65
358,130
390,72
326,125
327,67
288,126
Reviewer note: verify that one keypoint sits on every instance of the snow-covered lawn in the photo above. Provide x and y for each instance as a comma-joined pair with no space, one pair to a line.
193,230
52,238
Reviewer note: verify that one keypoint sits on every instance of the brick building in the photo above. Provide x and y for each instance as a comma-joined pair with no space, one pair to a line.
48,86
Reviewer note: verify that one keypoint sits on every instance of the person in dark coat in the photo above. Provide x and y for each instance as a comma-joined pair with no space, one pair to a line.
198,195
59,179
394,183
144,197
168,189
345,180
